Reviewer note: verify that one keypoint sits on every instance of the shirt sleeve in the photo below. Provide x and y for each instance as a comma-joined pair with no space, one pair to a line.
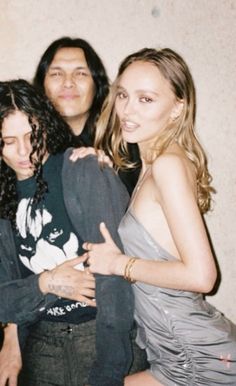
95,194
21,299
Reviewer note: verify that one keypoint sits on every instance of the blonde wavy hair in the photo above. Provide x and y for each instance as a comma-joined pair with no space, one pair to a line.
109,137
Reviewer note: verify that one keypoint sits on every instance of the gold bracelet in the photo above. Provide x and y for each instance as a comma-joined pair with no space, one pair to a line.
128,268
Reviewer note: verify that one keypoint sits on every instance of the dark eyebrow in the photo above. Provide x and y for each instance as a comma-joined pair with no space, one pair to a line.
8,136
147,91
57,67
13,136
54,67
119,87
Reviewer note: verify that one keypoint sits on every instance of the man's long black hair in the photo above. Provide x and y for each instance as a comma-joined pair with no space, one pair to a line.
99,75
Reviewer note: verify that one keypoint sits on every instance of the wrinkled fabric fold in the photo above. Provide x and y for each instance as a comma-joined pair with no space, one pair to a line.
188,342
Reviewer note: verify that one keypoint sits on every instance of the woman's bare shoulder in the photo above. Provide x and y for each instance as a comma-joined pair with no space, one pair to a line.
173,168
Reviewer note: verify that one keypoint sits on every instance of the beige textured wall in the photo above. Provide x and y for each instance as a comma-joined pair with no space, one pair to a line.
203,31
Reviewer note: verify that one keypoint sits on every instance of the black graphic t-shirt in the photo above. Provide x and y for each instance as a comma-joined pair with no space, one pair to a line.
45,238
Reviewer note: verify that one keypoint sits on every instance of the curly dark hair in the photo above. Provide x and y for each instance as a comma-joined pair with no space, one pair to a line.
49,134
99,75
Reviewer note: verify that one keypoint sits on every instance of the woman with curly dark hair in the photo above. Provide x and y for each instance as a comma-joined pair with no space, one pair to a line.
48,206
18,95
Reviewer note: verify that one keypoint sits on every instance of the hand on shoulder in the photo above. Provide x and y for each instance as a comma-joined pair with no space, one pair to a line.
85,151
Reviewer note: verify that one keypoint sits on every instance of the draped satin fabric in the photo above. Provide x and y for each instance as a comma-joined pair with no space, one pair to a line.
188,341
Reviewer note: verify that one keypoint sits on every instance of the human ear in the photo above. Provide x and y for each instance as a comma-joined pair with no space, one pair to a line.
177,109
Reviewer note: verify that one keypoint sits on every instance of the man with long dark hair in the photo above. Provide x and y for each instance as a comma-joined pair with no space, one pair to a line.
73,77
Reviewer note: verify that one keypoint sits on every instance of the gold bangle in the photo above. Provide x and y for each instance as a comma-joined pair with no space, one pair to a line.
128,268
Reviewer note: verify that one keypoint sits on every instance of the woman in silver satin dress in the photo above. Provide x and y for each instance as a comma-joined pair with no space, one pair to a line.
167,253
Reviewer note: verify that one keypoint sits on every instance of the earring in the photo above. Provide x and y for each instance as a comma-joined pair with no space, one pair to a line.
175,118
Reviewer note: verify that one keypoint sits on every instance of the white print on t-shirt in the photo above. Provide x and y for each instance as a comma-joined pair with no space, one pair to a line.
63,310
47,255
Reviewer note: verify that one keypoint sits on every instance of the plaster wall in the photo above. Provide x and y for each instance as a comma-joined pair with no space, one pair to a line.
203,31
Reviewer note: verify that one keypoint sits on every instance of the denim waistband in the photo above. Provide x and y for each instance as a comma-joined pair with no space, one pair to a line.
62,328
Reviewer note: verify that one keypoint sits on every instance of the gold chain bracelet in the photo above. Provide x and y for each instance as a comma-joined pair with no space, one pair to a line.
128,269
